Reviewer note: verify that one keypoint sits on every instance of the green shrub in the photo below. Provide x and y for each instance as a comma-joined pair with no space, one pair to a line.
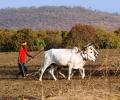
5,40
53,39
33,39
117,32
107,39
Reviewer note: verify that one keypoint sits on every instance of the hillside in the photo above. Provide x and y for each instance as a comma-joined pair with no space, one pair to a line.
56,18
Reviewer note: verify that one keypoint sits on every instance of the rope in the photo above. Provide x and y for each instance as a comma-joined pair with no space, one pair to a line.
34,56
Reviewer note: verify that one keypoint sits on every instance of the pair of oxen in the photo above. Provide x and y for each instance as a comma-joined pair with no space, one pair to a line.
73,58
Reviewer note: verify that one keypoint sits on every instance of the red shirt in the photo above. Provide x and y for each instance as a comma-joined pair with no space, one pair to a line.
22,55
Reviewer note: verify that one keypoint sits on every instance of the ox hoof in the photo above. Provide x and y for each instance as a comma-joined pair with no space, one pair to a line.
83,77
55,79
40,79
69,79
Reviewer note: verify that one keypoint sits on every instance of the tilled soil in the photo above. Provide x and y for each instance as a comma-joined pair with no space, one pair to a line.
79,89
92,87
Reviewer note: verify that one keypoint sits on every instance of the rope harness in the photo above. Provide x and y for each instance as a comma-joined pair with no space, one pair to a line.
85,55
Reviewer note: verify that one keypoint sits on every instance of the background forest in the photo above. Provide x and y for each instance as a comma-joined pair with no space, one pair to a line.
79,35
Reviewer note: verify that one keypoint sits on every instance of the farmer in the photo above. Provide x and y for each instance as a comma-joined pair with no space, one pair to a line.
22,60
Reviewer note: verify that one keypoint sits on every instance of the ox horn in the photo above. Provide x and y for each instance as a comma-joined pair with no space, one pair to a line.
89,44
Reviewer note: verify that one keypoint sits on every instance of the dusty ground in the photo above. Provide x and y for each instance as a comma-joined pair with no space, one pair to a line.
92,88
102,81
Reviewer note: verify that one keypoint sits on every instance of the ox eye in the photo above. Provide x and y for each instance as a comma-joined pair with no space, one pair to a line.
90,52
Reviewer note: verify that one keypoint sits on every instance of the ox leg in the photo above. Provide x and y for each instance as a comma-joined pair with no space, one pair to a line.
82,72
43,70
61,74
52,73
72,73
69,73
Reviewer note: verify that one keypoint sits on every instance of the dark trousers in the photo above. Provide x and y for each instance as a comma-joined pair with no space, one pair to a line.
23,69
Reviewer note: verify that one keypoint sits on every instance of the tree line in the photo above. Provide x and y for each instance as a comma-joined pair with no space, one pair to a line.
79,35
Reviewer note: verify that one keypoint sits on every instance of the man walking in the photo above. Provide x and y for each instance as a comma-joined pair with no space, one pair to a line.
22,60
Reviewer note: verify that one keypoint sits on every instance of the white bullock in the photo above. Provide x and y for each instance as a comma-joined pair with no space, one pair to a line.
68,57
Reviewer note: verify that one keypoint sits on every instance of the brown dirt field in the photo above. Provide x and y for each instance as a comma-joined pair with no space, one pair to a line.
102,81
92,88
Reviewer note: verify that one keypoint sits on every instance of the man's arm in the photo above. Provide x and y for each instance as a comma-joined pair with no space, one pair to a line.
29,55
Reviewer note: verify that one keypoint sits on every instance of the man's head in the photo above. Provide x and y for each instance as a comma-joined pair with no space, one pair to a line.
24,44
